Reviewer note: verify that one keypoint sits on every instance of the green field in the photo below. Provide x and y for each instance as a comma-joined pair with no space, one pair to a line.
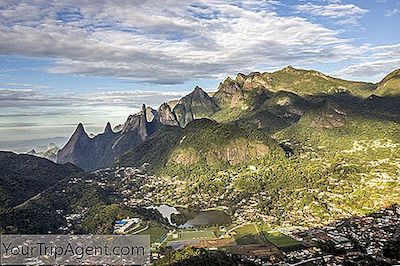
247,229
157,233
279,240
246,234
193,235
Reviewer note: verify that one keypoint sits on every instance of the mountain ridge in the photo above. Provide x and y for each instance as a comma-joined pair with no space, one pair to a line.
266,101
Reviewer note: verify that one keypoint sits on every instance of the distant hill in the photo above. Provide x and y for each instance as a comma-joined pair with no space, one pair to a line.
49,152
23,176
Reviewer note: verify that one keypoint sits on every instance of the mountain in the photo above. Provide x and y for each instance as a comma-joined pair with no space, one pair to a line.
229,93
101,150
49,152
302,82
87,152
268,102
227,144
166,116
23,176
390,85
198,104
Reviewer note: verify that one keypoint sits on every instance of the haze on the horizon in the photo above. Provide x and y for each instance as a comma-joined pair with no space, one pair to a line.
64,62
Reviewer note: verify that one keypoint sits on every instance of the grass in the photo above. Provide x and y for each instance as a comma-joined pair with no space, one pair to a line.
156,232
247,229
279,240
193,235
246,234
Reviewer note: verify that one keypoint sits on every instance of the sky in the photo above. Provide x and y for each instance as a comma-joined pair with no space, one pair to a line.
64,62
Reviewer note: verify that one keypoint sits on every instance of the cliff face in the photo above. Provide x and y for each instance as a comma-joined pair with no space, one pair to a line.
229,93
235,152
86,152
101,150
226,144
77,149
166,116
135,131
196,105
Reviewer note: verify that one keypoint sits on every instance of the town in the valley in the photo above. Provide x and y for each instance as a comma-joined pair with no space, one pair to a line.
242,231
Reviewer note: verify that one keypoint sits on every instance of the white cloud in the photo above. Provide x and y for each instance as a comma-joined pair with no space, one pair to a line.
375,69
380,61
28,98
34,114
392,12
167,41
336,11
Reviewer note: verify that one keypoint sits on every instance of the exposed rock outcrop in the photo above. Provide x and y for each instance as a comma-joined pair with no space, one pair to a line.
230,92
197,104
86,152
166,116
101,150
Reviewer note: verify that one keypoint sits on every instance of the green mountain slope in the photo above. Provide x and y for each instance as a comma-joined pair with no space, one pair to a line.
207,142
390,85
300,146
201,142
23,176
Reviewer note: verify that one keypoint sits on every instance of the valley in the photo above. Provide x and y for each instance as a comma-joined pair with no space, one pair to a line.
243,230
288,167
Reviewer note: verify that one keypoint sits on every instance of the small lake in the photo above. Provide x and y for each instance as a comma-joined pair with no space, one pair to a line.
166,212
187,218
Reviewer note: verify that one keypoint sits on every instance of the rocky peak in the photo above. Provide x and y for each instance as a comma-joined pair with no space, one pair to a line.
166,116
198,92
256,81
80,132
229,92
288,69
33,151
135,121
76,147
150,114
198,104
240,79
108,128
394,74
198,89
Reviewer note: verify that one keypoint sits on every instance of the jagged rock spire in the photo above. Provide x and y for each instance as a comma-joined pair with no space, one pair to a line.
108,128
166,116
80,131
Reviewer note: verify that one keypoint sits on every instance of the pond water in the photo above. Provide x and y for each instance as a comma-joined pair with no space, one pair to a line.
166,212
193,219
208,218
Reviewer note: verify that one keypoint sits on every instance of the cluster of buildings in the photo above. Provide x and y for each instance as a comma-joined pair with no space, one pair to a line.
358,238
125,225
351,239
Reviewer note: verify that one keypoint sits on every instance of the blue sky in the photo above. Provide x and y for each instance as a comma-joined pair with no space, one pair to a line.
64,62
